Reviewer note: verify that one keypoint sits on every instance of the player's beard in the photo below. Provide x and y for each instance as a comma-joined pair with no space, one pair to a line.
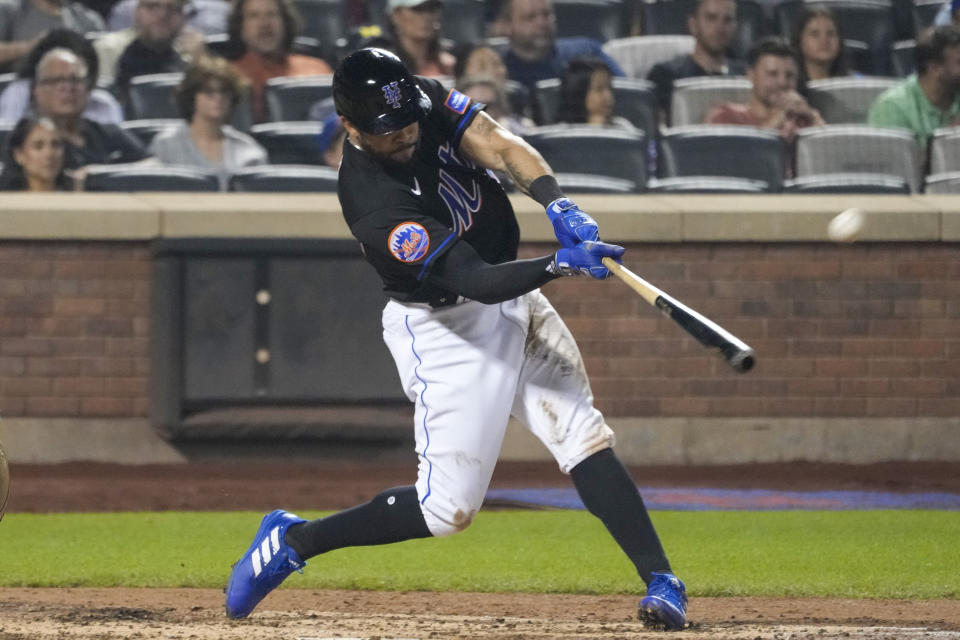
396,158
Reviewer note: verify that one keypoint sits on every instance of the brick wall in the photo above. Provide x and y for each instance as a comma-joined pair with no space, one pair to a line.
74,329
840,331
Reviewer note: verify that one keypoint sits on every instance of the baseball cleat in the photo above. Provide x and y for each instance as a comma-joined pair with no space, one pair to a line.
266,564
665,603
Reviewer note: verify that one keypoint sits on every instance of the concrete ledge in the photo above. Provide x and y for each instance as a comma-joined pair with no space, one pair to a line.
704,441
77,216
54,440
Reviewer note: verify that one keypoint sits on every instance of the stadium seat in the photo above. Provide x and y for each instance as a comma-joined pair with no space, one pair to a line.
6,126
869,21
290,142
5,79
153,96
706,184
924,13
323,20
612,152
289,178
518,95
592,183
636,55
723,150
847,183
634,99
903,57
132,177
945,150
859,149
145,130
669,17
846,100
290,98
601,20
942,182
694,97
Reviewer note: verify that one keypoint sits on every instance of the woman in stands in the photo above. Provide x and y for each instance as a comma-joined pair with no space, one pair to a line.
33,158
586,95
206,97
414,27
822,53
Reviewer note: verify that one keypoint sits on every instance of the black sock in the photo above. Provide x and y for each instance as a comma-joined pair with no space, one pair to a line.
608,492
392,516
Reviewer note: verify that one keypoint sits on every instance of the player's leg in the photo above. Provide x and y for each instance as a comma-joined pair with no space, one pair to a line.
555,402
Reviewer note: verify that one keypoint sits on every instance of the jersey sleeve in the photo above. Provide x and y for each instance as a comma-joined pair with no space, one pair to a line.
402,239
452,110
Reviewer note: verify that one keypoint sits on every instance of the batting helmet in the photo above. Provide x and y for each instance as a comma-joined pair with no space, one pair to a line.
374,91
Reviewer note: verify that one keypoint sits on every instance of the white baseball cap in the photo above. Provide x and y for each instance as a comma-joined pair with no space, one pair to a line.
396,4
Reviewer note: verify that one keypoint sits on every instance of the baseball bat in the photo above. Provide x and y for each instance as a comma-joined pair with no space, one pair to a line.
708,333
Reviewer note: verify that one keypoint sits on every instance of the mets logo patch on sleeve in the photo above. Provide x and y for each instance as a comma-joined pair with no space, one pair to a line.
456,101
408,242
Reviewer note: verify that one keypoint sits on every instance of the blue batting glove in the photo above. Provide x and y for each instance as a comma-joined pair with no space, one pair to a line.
570,224
586,258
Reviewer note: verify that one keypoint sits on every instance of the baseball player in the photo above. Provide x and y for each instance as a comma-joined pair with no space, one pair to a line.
473,338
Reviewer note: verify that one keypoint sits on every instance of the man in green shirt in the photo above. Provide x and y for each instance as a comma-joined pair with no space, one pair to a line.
930,99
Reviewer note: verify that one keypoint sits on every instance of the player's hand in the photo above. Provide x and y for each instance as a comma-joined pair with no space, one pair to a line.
570,224
586,258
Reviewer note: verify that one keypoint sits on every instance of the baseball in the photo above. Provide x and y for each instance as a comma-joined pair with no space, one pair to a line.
847,225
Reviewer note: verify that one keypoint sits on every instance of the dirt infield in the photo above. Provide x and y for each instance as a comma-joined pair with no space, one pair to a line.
197,614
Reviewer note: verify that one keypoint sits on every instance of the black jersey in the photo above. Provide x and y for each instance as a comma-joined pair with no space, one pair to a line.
406,217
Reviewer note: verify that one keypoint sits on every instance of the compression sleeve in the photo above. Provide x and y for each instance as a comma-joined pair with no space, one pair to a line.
462,271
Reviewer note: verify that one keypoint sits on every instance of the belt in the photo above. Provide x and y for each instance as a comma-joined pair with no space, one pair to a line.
438,303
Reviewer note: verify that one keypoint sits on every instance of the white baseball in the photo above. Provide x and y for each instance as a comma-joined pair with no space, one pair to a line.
847,225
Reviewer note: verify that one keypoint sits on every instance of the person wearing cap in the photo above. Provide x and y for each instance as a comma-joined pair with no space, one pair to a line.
264,31
414,26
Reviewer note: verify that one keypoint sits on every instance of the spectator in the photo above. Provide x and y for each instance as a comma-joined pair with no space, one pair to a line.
158,43
491,93
24,22
928,99
534,52
208,17
773,70
586,95
713,25
33,158
949,14
415,28
479,60
264,31
207,96
61,91
15,98
822,53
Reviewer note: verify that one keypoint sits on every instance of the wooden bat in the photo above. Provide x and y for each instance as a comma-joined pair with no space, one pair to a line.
708,333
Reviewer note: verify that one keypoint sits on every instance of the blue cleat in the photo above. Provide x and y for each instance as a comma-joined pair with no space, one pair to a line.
266,564
665,604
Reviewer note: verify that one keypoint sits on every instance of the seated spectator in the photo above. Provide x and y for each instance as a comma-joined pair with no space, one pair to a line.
534,52
33,158
479,60
210,91
264,31
158,43
773,70
414,26
949,14
713,25
24,22
208,17
929,99
491,93
61,91
15,98
822,52
586,95
331,138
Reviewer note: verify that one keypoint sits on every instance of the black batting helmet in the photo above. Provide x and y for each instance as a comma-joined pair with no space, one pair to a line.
375,92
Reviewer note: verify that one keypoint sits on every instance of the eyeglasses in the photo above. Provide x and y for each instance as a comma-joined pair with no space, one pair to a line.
71,82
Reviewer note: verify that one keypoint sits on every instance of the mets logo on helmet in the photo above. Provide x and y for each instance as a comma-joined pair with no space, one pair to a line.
391,92
408,242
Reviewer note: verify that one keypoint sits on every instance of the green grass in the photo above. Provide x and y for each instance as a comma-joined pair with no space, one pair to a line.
860,554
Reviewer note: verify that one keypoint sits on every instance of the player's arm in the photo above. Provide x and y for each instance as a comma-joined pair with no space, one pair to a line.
494,147
462,270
